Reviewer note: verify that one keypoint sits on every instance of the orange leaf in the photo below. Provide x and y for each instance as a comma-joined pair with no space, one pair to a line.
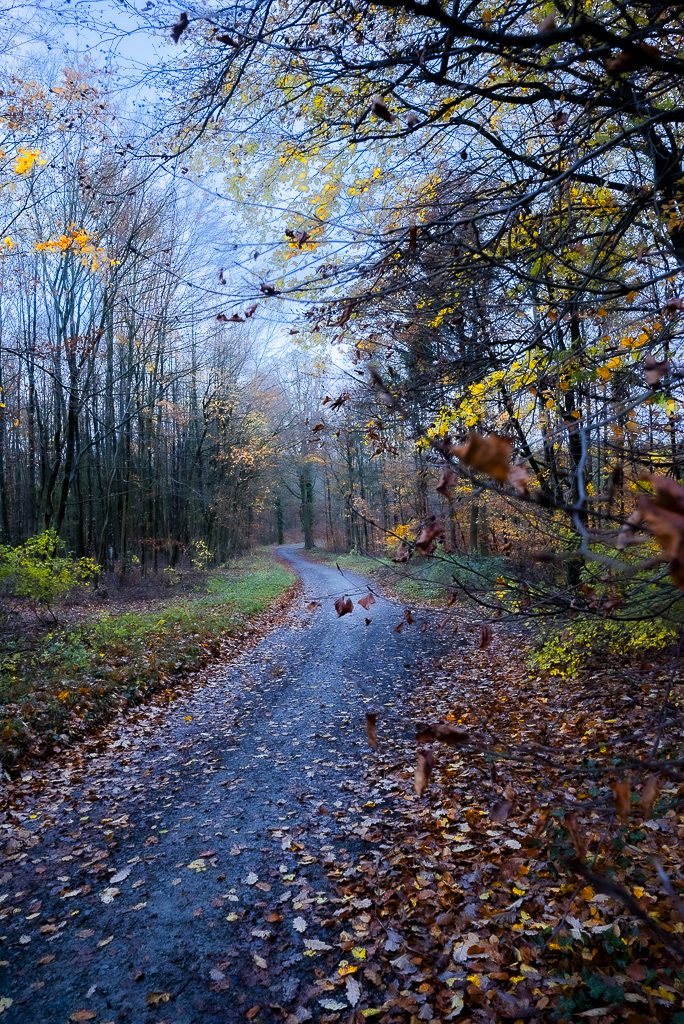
490,455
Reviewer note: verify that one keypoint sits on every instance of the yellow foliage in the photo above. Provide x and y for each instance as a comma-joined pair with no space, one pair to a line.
79,241
26,160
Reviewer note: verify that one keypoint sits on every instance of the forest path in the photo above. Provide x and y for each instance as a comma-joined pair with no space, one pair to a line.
179,875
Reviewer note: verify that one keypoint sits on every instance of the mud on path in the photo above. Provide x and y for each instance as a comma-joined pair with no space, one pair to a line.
182,874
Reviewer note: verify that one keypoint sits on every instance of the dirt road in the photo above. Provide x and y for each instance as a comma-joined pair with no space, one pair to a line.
182,873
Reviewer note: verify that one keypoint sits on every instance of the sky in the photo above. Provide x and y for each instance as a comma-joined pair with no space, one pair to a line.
132,42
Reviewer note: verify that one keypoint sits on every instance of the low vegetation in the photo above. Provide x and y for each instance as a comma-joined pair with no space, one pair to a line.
71,679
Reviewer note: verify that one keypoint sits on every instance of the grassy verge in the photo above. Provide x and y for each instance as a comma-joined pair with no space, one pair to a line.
71,680
424,580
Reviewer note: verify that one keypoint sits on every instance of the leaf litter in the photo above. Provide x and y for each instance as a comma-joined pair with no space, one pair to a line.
481,887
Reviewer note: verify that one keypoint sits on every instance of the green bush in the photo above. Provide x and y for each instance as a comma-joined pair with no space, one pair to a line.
39,572
570,649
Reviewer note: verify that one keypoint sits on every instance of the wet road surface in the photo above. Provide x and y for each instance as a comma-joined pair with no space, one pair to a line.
182,875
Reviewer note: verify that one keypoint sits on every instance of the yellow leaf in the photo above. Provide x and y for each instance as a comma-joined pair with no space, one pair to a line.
344,969
26,159
153,998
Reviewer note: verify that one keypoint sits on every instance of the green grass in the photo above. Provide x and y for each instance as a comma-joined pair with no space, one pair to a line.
71,680
425,580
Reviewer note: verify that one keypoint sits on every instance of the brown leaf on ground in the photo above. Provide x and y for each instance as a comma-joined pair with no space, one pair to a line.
503,806
371,729
154,998
571,824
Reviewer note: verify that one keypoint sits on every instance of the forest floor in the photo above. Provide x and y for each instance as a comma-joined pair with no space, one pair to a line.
240,852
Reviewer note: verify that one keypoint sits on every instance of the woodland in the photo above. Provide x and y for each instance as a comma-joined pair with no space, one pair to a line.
400,282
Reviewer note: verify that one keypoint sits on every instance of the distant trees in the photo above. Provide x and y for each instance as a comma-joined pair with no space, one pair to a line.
132,422
490,221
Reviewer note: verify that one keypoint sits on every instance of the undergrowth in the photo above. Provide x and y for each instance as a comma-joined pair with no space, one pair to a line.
568,649
426,580
71,680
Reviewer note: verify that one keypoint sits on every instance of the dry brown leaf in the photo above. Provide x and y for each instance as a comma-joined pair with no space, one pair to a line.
649,794
381,110
447,480
570,822
371,729
622,792
452,735
485,636
431,532
343,606
154,998
490,455
424,762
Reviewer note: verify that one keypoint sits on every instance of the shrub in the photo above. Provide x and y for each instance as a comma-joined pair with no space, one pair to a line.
201,555
567,650
39,572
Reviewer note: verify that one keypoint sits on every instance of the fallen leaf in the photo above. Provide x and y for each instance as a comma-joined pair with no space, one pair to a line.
108,895
452,735
198,865
120,876
154,998
353,990
622,792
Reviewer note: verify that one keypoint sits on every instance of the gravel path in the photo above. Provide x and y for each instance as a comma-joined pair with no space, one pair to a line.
180,874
